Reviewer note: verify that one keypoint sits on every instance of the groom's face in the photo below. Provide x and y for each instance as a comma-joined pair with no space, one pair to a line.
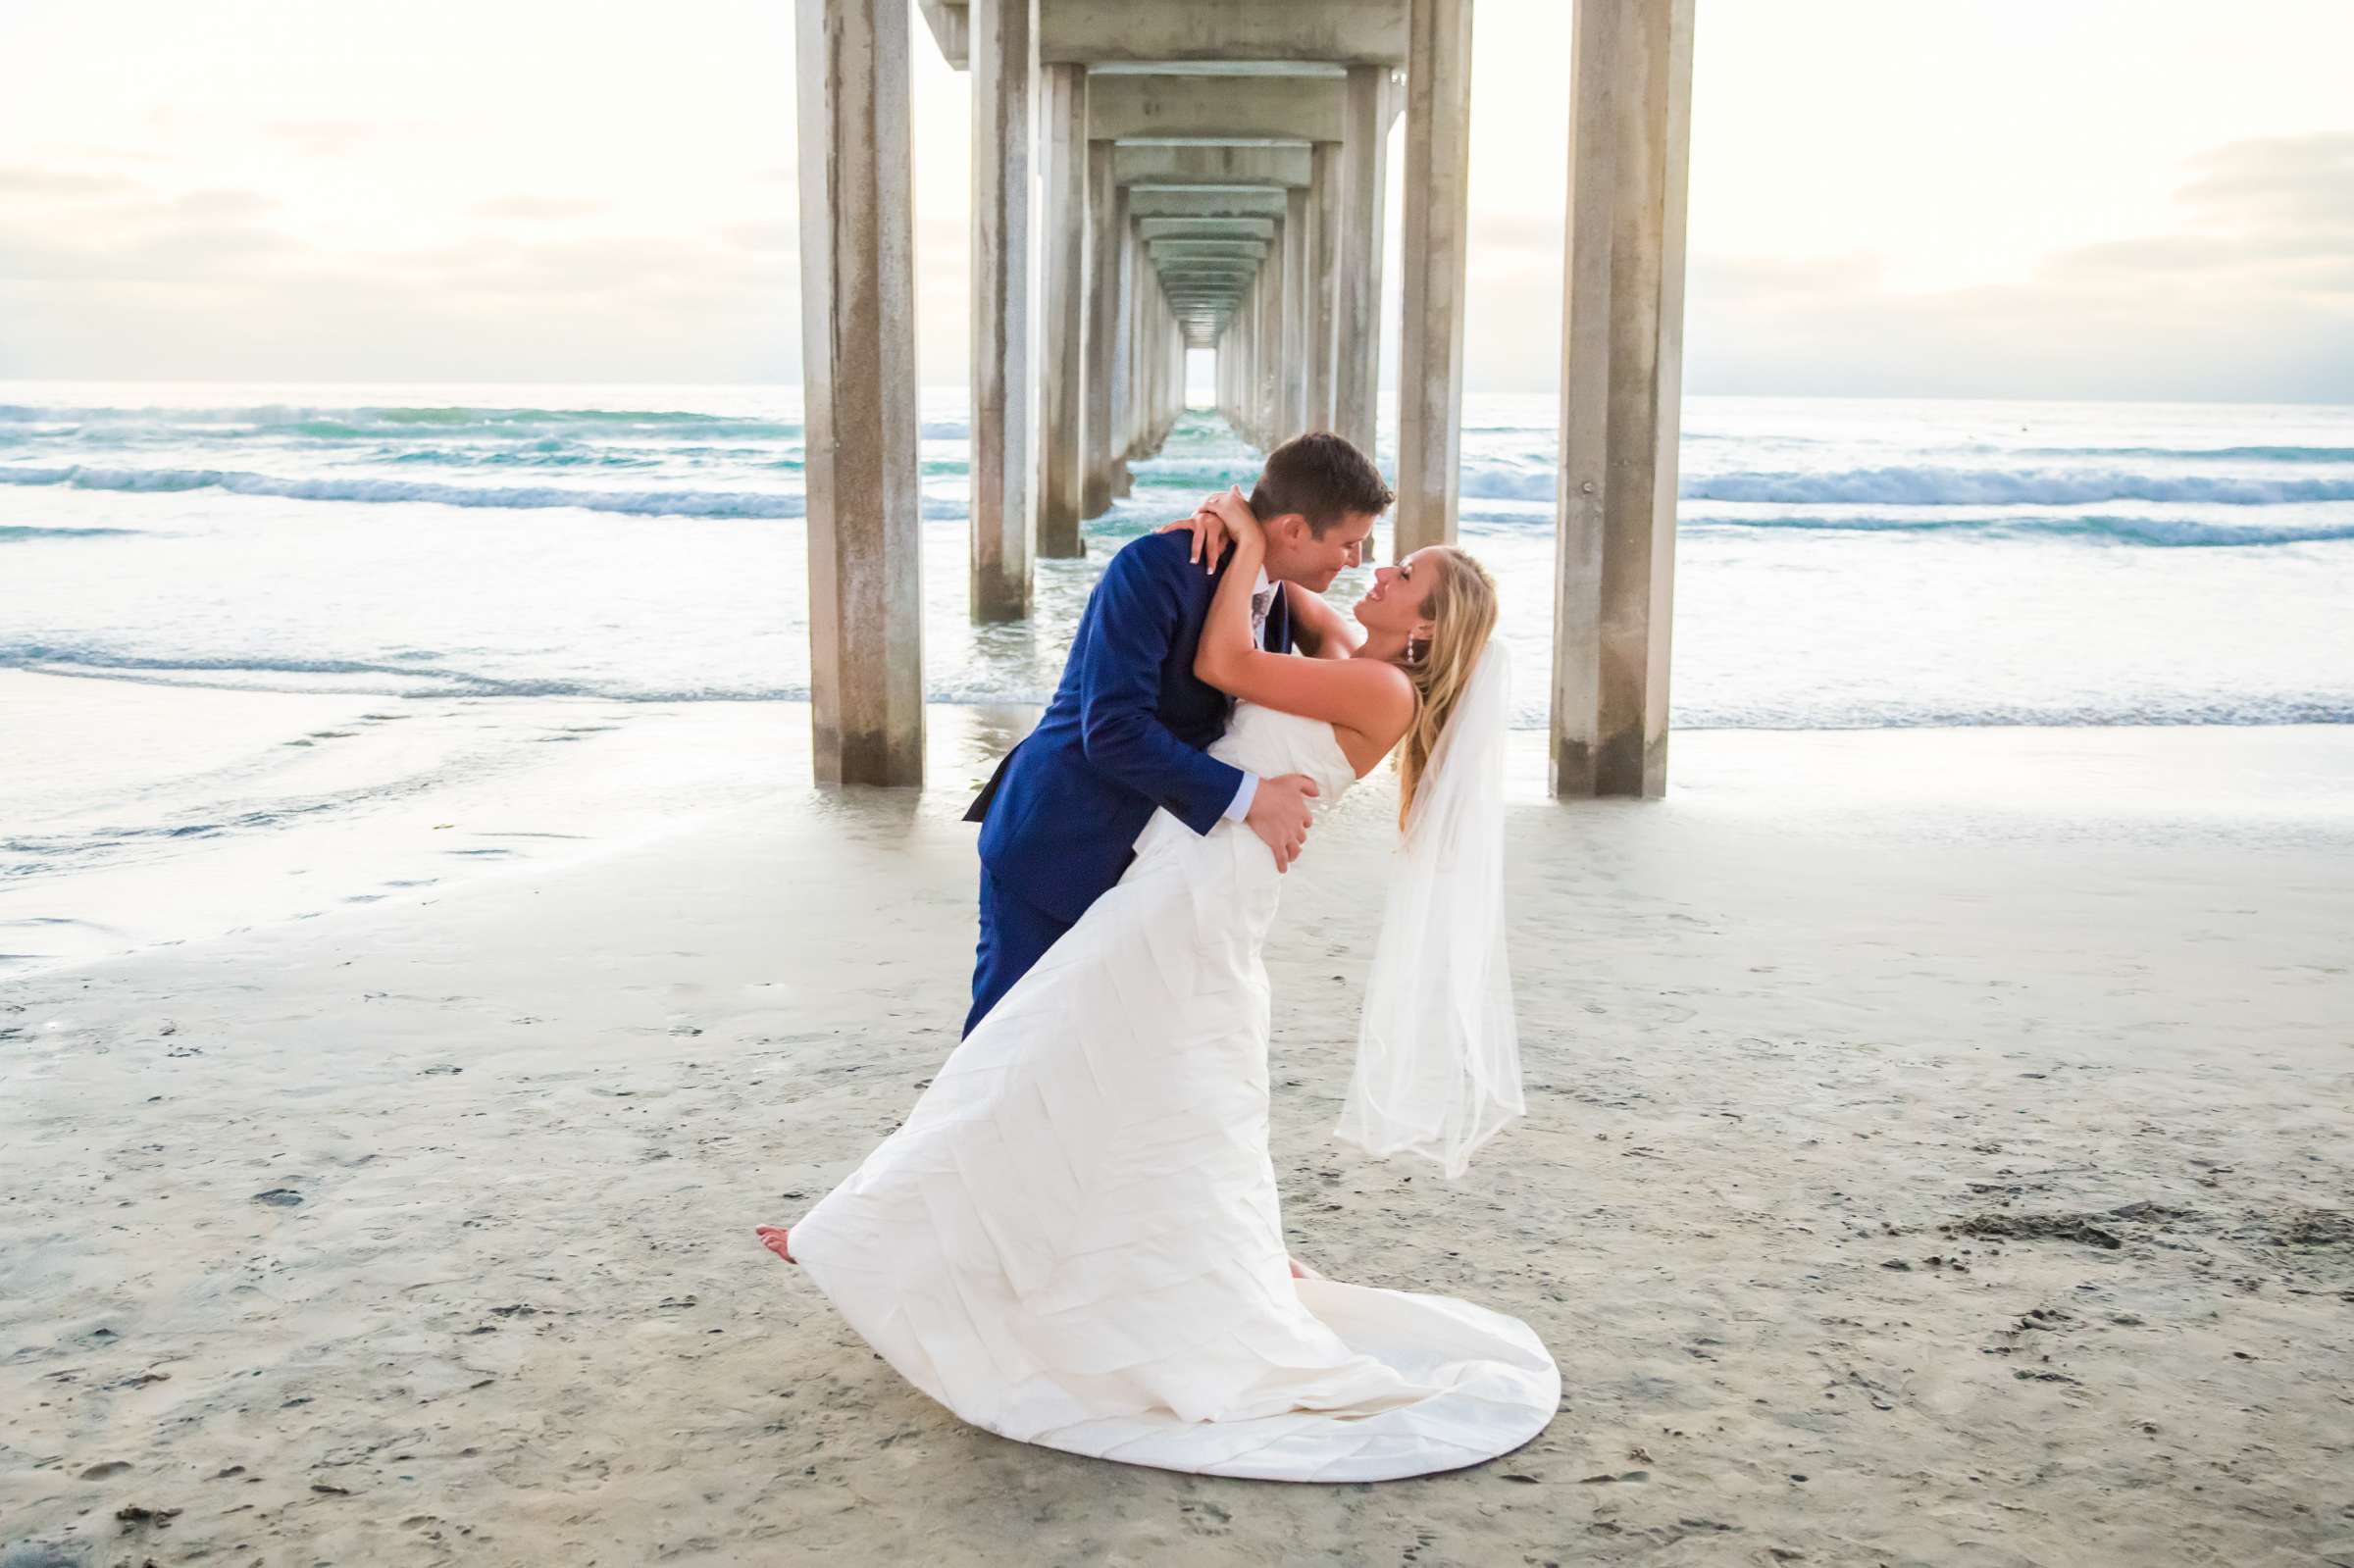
1314,561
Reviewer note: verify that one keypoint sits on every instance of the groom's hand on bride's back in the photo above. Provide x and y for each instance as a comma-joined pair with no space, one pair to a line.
1279,814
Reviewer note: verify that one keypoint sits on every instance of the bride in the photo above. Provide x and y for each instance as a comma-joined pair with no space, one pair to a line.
1075,1238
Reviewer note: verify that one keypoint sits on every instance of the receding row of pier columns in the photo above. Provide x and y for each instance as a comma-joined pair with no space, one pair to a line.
1195,173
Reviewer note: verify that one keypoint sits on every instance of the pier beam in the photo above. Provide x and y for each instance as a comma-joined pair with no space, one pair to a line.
1134,106
1003,41
1064,190
1622,333
1364,186
1437,187
858,385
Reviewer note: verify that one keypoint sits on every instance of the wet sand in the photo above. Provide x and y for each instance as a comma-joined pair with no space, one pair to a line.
1941,1151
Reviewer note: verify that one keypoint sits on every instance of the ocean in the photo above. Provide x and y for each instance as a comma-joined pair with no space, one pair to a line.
1840,564
333,645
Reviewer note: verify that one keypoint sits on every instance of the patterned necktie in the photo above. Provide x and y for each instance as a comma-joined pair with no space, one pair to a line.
1258,614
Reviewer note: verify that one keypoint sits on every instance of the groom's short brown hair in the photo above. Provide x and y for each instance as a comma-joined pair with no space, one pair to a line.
1323,478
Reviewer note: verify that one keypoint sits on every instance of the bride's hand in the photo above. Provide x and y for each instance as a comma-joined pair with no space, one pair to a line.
1209,537
1232,509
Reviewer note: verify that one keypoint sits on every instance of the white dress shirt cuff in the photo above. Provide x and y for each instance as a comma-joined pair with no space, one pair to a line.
1243,794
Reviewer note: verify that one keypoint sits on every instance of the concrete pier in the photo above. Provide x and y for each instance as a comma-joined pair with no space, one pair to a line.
859,387
1063,194
1324,195
1213,175
1437,190
1103,249
1297,312
1273,336
1123,344
1621,384
1002,44
1364,181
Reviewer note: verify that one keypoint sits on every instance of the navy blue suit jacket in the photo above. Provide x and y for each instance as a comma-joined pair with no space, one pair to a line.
1125,732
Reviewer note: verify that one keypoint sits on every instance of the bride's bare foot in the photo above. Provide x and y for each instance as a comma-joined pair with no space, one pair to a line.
1298,1273
772,1236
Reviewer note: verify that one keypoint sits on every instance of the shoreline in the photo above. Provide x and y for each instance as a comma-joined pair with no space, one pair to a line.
144,813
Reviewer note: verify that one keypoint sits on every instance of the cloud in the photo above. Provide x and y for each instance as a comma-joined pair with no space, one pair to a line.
222,204
102,231
322,138
2251,296
61,184
2279,184
783,237
1494,232
538,208
190,253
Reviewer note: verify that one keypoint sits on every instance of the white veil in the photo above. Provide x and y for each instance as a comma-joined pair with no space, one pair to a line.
1438,1053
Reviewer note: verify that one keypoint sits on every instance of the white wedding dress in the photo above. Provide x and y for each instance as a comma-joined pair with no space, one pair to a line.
1074,1240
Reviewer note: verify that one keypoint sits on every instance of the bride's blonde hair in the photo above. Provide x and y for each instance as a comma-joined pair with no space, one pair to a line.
1460,608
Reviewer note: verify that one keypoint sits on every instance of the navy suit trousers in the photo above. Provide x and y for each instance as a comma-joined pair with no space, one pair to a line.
1014,936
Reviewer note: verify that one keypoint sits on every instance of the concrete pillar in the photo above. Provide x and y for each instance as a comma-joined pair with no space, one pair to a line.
1228,350
1437,187
1242,366
1269,318
1255,362
1103,328
1324,191
1296,311
1156,338
1279,329
1621,381
1266,313
1140,353
1123,363
1364,181
1124,345
1063,193
1161,325
866,687
1178,346
1003,51
1246,375
1139,356
1223,370
1140,264
1181,341
1160,366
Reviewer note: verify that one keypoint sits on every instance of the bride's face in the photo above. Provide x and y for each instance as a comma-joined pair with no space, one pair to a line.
1395,602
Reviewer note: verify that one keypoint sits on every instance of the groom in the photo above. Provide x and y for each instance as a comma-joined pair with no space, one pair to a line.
1127,727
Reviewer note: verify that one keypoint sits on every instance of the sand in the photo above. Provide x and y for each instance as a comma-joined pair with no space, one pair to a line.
1941,1151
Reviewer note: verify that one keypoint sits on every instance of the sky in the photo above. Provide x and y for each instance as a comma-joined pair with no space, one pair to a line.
2005,198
